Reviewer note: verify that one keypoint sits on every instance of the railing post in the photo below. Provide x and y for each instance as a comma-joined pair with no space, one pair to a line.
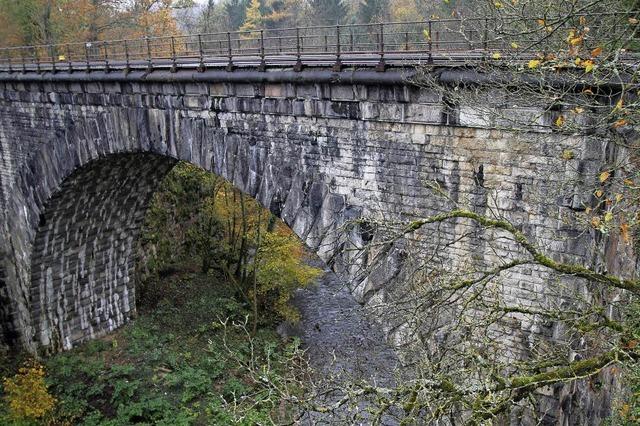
326,43
105,48
69,62
337,67
263,64
485,36
382,66
298,66
174,65
201,67
149,60
430,43
9,61
230,52
24,62
351,39
406,40
127,63
86,56
52,54
37,58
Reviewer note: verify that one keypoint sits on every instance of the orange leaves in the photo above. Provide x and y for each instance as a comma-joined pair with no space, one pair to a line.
624,233
619,123
596,52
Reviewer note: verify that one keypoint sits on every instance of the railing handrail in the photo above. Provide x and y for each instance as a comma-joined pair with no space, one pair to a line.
470,34
310,27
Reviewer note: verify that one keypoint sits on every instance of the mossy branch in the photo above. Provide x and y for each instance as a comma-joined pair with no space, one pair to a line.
537,255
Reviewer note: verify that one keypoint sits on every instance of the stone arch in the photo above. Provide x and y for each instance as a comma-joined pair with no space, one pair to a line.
134,148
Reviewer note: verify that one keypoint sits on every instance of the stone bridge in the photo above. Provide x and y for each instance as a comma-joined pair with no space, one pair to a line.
81,154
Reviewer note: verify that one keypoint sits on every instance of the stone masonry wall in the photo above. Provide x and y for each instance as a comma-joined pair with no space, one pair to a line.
316,155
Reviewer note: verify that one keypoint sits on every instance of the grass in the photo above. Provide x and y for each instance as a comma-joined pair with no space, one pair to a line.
170,366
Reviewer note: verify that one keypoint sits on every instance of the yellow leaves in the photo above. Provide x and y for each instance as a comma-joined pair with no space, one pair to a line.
534,63
574,40
583,20
496,55
426,34
604,176
560,121
541,22
27,394
624,411
608,217
619,105
619,197
588,65
596,222
598,193
567,155
578,110
497,4
514,45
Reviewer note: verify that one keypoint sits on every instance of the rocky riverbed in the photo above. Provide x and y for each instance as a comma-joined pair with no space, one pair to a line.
342,344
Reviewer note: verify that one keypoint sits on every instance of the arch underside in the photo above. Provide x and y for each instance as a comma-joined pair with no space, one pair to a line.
83,263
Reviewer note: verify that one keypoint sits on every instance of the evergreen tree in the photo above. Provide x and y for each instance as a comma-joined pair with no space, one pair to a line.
328,12
236,11
373,11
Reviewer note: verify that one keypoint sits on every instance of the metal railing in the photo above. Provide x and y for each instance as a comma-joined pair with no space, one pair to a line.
368,44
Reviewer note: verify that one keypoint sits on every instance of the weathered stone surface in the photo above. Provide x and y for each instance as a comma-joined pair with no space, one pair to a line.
79,160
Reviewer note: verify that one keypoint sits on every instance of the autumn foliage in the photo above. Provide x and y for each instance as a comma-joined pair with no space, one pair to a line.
26,393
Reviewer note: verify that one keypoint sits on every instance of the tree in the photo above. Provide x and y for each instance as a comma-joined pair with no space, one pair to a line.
254,19
280,269
373,11
236,11
328,12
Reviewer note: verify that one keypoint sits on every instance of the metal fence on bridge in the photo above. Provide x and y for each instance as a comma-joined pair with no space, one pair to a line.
358,42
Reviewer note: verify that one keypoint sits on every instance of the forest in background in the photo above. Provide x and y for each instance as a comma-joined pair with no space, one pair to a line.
35,22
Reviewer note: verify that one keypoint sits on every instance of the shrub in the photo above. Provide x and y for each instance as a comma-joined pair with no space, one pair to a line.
27,394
